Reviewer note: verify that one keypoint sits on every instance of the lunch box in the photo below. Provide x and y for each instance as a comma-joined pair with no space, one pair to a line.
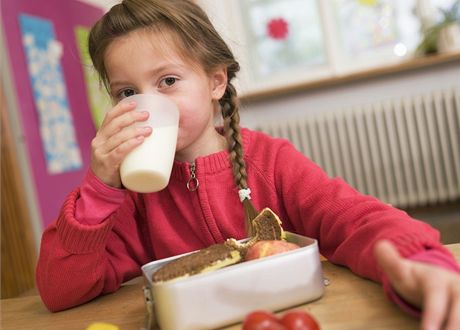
225,296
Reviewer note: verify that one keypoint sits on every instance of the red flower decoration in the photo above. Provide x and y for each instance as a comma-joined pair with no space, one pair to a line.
277,28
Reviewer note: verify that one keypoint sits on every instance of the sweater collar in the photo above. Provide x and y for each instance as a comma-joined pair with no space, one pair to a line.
210,164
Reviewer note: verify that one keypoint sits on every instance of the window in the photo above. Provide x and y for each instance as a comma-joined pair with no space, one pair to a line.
286,42
375,30
285,36
438,6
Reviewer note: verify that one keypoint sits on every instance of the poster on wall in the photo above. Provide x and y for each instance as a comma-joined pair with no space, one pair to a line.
43,53
49,89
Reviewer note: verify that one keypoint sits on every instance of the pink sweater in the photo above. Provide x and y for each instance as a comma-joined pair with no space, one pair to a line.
104,235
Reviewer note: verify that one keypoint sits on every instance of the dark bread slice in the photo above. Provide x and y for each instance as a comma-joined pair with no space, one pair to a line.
211,258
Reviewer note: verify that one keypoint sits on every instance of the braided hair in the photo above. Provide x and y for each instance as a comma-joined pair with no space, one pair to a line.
230,112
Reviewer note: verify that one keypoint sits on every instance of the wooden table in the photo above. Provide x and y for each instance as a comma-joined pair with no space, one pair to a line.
349,302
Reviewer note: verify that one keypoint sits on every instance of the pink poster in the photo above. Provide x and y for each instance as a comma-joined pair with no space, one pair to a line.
51,184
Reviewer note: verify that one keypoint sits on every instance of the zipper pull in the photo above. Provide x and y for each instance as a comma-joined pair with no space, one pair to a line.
192,183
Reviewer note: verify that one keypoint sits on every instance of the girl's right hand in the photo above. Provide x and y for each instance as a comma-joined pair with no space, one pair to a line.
116,137
433,289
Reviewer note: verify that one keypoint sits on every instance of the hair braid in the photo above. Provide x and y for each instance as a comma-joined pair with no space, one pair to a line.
230,113
232,131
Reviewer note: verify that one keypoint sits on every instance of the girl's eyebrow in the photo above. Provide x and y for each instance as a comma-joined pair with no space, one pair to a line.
154,72
115,84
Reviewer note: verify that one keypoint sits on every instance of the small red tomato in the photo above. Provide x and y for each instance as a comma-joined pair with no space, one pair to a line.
299,320
262,320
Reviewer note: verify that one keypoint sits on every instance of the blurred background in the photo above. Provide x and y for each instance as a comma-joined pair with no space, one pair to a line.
368,89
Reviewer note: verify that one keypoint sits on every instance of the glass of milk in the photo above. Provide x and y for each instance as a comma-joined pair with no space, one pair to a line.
148,167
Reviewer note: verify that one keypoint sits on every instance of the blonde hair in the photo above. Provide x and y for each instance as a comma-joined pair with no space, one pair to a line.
196,39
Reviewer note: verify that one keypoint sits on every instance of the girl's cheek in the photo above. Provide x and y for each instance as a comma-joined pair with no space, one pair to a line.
179,142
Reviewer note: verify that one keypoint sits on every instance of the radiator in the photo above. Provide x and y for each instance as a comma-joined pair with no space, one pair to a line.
406,152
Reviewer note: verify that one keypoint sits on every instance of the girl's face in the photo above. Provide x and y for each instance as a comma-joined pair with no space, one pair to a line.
142,62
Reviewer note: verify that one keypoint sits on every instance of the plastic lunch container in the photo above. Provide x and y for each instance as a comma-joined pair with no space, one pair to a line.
225,296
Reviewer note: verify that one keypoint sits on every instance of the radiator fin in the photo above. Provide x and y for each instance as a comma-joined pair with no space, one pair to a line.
405,151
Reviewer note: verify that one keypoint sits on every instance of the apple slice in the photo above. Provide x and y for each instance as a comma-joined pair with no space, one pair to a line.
267,248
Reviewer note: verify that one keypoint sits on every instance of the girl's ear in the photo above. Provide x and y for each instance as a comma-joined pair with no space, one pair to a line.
219,83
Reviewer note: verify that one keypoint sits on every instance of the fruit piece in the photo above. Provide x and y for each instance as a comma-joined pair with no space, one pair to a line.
262,320
102,326
299,320
267,248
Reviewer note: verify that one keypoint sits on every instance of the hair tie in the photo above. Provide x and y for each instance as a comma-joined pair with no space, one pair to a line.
244,194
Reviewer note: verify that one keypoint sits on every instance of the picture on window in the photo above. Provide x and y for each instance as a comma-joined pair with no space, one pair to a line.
285,36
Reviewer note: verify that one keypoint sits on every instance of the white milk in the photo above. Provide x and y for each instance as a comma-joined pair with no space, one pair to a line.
147,168
146,171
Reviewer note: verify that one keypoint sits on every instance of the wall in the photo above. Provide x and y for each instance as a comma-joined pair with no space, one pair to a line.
356,93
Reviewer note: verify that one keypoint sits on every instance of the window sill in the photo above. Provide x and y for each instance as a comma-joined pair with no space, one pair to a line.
381,71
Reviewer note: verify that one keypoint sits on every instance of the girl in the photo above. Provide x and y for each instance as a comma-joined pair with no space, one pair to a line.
104,233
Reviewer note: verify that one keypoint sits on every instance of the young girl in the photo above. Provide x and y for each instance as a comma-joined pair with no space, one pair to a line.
104,233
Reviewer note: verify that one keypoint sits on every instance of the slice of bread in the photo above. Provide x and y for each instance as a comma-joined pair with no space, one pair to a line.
266,226
205,260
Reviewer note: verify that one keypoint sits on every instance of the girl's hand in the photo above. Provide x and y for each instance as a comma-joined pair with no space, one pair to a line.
432,288
115,139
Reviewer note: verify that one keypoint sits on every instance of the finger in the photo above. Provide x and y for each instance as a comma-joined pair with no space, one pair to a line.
117,110
104,133
125,119
115,149
453,322
124,135
435,305
106,166
119,153
117,124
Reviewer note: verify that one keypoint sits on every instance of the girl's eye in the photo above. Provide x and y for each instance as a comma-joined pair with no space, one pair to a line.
125,93
167,82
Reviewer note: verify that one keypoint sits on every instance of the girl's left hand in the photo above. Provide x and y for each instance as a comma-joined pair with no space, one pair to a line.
434,289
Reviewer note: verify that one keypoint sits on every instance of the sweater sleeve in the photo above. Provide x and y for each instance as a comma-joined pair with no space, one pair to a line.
78,261
97,200
346,223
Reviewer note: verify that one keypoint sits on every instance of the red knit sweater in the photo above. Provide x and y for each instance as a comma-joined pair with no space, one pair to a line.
104,235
